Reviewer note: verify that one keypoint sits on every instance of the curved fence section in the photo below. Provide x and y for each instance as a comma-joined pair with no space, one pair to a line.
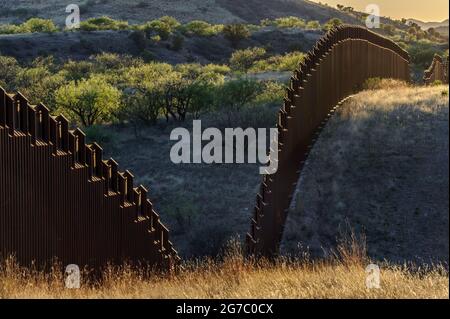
336,67
60,198
438,71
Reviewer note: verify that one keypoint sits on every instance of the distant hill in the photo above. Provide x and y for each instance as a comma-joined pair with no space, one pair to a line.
443,31
137,11
427,25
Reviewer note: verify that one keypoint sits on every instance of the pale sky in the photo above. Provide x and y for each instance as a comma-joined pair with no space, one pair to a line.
425,10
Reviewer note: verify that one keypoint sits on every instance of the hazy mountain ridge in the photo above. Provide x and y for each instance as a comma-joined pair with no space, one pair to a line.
427,25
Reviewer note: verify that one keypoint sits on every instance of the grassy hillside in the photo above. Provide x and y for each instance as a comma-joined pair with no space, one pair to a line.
137,11
380,166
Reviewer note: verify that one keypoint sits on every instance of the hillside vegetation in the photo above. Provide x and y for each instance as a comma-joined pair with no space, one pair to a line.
138,11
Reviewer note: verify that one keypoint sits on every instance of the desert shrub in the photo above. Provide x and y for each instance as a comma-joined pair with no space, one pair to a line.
177,42
9,29
389,29
313,25
139,38
287,62
38,25
235,33
103,23
272,93
437,83
242,60
157,38
163,27
266,23
30,26
290,22
216,68
99,134
148,56
201,28
89,101
334,22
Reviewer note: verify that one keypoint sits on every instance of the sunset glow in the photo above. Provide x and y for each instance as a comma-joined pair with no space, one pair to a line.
433,10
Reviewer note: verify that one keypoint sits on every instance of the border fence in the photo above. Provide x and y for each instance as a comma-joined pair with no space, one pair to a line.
60,198
336,67
438,71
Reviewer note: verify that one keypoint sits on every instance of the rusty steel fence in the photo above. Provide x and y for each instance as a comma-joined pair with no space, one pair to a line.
438,71
60,198
336,67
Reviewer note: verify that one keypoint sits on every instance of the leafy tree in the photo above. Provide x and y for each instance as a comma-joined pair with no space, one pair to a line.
39,84
235,95
143,104
10,69
76,70
235,33
91,101
238,93
422,53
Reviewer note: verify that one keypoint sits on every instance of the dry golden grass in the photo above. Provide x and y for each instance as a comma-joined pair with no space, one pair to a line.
342,276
